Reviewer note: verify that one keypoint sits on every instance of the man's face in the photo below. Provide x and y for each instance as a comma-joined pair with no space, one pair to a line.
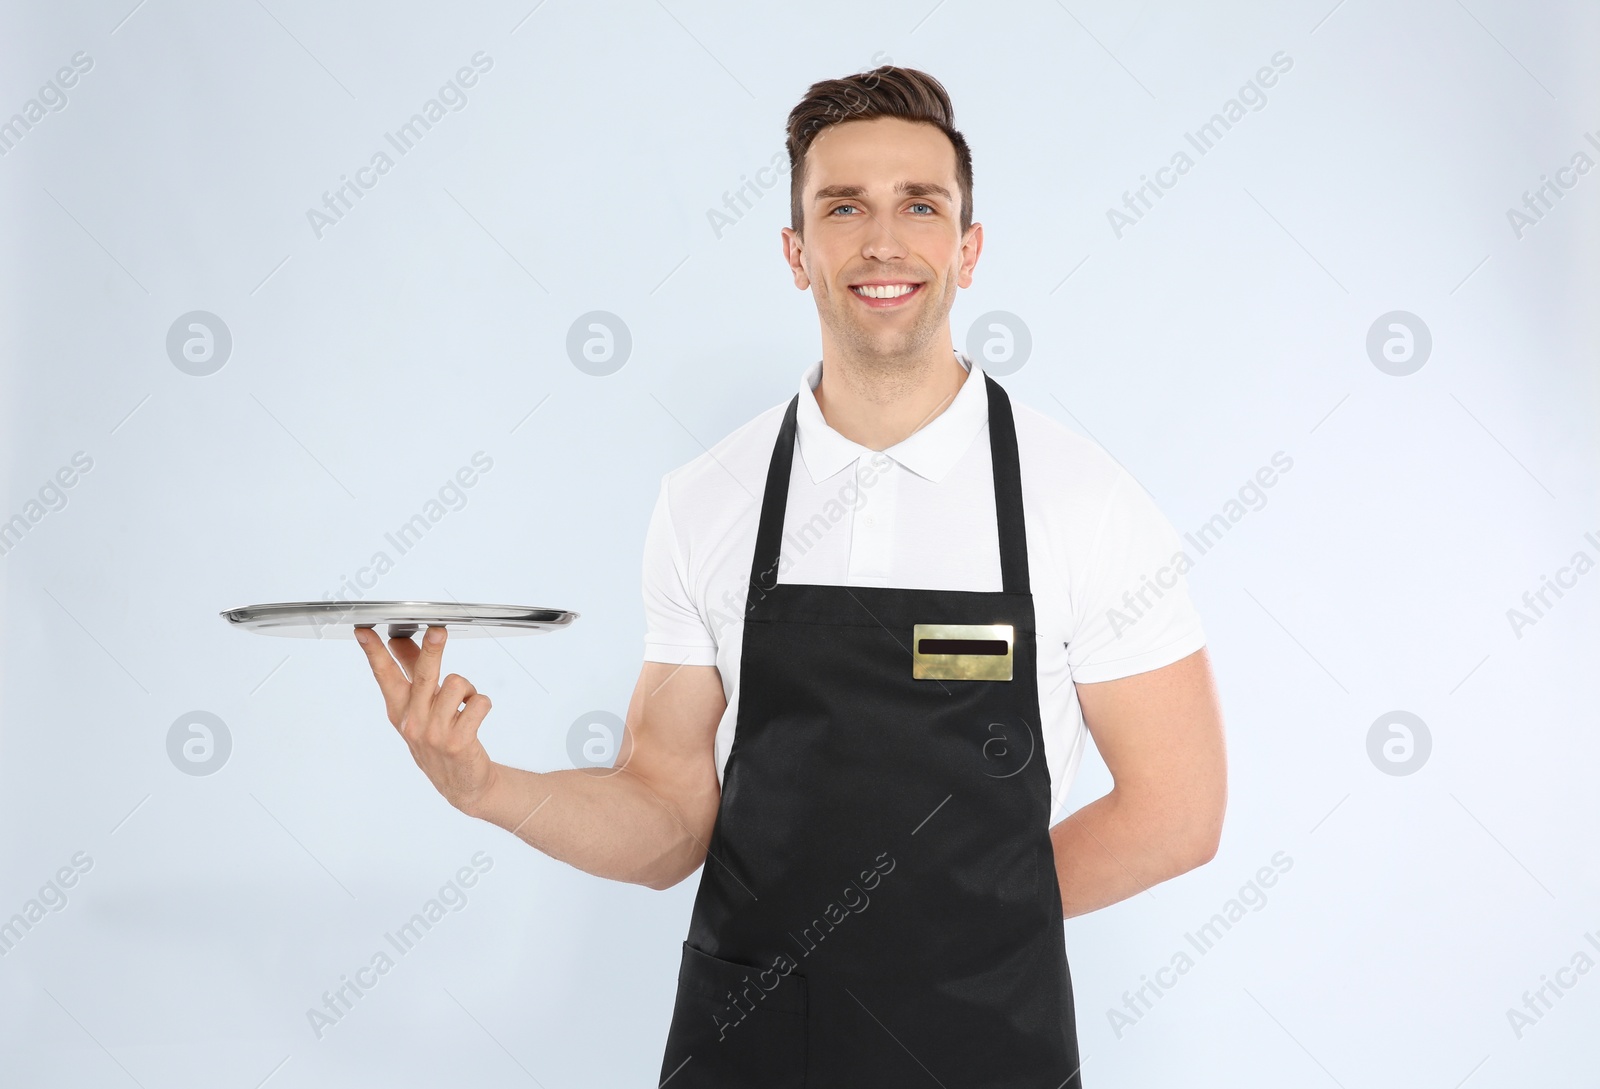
883,211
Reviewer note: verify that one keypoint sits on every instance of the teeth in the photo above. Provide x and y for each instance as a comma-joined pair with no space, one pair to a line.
885,292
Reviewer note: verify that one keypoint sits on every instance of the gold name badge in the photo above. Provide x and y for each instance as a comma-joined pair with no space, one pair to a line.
961,652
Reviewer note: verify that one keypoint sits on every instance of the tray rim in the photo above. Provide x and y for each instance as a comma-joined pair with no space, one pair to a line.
370,614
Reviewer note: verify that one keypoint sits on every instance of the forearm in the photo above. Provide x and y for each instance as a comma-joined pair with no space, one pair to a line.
611,825
1110,850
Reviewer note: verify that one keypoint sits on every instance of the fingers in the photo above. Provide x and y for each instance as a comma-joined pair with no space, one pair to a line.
455,691
458,710
425,675
405,652
393,683
422,704
472,715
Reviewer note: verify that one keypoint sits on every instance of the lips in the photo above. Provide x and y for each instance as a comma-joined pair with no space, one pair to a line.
882,296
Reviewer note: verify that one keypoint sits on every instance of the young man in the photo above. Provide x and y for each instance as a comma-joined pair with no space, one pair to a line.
882,617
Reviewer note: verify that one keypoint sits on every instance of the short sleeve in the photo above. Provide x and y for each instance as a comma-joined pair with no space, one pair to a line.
1134,612
674,629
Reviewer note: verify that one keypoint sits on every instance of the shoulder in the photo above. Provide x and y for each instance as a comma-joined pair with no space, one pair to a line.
707,487
1059,463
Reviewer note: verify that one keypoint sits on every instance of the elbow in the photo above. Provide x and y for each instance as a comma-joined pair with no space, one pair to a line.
1183,856
1200,852
662,884
1198,842
668,873
1200,834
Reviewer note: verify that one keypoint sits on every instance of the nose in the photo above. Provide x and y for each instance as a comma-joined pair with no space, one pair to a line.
880,242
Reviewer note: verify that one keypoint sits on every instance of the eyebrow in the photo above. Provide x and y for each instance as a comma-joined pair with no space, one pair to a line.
905,189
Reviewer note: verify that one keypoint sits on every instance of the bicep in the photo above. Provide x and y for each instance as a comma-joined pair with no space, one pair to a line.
669,738
1160,734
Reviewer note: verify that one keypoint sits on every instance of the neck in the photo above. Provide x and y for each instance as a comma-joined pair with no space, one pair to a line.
880,402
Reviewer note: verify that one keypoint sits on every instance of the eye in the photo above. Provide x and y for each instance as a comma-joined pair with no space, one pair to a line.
841,208
929,207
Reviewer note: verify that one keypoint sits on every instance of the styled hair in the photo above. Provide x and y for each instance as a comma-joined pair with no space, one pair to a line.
885,91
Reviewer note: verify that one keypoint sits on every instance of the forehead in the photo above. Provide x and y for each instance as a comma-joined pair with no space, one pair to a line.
881,150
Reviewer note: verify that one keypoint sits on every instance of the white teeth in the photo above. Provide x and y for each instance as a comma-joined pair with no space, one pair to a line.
893,291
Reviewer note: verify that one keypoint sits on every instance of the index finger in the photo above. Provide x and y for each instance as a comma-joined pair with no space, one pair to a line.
392,680
425,672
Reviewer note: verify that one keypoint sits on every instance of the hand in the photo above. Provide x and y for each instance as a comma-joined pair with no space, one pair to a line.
442,733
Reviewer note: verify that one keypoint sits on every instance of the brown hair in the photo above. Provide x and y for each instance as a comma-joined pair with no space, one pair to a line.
885,91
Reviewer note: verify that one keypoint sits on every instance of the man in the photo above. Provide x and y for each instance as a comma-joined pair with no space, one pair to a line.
869,669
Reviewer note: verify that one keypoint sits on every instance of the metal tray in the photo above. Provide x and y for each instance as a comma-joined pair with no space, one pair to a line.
400,619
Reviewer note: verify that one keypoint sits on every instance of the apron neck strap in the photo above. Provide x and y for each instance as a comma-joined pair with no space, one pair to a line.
1007,490
1007,496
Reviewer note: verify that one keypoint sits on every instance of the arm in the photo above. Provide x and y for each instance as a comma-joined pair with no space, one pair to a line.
1160,734
646,821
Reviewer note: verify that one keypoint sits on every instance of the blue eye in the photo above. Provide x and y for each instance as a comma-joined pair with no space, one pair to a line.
931,210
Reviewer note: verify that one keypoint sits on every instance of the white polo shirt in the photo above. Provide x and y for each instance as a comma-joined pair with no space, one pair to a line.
921,515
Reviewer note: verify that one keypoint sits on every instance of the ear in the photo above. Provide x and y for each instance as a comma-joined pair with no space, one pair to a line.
971,246
794,254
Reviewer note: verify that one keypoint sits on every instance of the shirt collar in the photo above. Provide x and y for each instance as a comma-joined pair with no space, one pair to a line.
929,452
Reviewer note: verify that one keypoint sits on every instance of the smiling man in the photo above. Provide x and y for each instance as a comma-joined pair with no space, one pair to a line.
880,632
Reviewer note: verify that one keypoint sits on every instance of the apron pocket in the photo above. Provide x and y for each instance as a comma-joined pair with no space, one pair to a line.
735,1025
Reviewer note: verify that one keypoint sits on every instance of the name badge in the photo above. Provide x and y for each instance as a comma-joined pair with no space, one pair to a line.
961,652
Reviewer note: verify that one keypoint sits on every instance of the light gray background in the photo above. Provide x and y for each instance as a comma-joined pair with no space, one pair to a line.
369,365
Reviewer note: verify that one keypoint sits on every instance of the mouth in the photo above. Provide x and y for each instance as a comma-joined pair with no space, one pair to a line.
885,295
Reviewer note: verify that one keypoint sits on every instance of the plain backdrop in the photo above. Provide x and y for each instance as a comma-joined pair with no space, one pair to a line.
1352,271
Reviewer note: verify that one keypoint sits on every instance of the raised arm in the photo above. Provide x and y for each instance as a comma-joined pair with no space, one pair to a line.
645,821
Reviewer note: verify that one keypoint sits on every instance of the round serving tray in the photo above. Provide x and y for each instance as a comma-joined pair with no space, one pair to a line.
399,619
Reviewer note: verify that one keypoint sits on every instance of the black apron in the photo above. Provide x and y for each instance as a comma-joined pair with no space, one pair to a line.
879,905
